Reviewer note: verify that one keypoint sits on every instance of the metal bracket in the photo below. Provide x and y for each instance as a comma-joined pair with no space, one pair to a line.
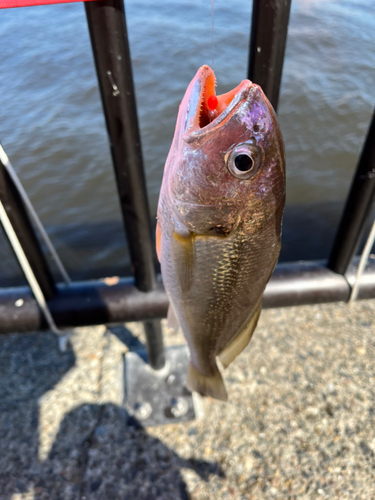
158,397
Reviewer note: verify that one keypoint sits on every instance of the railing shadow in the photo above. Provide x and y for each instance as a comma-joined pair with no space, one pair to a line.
126,337
95,454
116,460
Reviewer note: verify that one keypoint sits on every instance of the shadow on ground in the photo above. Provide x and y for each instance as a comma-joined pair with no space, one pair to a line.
95,453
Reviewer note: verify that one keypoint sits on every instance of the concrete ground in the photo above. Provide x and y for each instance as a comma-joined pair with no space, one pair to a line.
299,424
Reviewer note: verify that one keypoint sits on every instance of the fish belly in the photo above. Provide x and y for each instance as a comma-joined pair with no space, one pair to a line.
222,295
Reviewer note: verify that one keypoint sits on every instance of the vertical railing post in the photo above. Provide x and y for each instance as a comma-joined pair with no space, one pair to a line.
358,206
24,230
269,29
109,39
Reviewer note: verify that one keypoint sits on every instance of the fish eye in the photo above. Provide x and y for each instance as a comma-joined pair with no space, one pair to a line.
244,163
244,160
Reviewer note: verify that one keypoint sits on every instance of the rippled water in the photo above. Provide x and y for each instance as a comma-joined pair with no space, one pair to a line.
53,130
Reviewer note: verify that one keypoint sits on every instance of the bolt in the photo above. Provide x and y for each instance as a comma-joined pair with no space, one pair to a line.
142,410
171,379
179,407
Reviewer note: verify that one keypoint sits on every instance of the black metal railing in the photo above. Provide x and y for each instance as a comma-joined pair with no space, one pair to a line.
142,297
106,21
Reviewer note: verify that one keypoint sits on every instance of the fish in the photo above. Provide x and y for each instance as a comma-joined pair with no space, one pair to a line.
219,217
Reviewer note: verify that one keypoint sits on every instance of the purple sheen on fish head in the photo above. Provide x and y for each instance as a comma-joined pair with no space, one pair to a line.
202,187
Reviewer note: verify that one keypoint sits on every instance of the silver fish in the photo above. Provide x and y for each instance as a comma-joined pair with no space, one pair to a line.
219,221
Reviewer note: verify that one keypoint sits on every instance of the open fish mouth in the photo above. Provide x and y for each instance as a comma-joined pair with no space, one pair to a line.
208,110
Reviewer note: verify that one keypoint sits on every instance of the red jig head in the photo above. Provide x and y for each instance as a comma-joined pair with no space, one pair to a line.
212,103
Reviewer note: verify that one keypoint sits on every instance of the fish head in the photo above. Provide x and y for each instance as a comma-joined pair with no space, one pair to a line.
226,166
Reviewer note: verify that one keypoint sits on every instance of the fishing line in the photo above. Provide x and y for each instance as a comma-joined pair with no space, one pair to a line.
212,35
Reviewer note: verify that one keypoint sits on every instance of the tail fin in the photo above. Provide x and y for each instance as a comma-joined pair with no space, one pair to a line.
206,386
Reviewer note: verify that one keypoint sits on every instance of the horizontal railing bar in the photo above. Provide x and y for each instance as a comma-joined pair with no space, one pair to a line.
95,302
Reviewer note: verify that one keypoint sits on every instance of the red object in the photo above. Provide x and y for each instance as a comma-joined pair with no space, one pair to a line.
212,102
7,4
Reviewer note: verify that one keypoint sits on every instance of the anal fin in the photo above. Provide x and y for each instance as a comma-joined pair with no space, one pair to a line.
241,341
212,386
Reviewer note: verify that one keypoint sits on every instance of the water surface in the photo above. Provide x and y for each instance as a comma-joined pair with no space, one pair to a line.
53,130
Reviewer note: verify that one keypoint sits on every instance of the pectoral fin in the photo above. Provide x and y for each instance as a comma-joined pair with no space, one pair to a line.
158,241
240,342
172,321
184,258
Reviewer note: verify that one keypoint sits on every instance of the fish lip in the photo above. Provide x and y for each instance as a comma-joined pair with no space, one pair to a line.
194,131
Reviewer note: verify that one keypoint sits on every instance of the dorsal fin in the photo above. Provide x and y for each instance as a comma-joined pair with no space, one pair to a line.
241,341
